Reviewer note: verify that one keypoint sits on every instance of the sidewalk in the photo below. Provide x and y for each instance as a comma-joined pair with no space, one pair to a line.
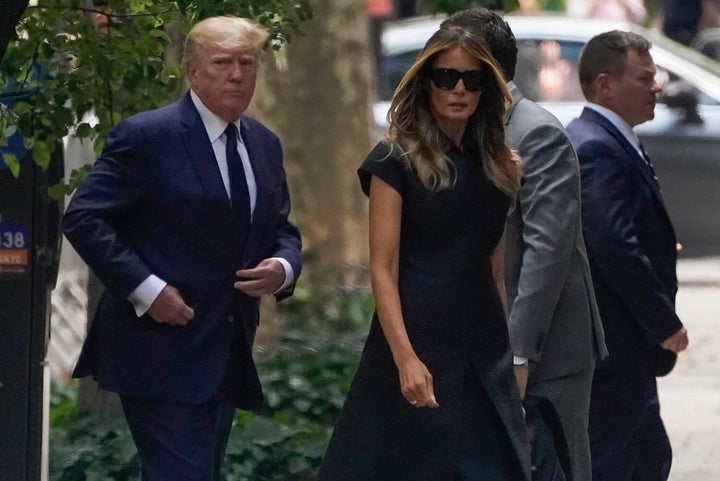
700,271
690,394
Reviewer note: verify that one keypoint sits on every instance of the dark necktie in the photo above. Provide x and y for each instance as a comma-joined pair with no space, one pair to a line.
239,196
648,162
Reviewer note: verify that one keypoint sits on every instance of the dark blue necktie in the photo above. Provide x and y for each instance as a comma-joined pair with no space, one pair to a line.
648,162
239,195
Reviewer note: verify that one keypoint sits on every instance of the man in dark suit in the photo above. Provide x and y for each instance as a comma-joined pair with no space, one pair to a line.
184,218
632,249
554,325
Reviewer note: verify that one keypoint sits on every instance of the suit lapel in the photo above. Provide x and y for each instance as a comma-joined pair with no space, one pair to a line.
199,149
629,149
632,154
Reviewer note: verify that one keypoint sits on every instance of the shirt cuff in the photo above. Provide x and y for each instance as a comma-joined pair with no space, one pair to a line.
145,294
289,274
519,361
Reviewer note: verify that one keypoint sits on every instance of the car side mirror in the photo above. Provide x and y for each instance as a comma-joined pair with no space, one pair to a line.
679,94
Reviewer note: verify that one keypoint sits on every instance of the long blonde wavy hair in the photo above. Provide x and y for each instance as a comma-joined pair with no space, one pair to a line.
415,132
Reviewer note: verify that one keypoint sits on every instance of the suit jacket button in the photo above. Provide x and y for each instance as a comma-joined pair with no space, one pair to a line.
231,319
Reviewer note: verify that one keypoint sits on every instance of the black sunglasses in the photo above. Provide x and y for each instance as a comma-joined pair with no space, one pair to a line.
447,78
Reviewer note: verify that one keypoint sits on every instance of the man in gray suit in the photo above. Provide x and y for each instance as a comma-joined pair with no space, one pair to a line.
554,324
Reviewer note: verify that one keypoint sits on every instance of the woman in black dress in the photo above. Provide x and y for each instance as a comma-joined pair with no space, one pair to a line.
434,397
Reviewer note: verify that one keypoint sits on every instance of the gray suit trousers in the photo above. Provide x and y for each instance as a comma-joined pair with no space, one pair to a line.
570,396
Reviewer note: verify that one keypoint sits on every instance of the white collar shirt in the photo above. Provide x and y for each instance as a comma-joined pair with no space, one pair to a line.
215,127
624,128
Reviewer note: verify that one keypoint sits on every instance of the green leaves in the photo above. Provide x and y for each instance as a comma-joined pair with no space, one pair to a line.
12,163
305,382
41,154
109,68
59,191
83,450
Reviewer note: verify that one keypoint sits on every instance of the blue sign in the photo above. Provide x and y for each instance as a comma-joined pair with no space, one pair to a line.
14,250
14,236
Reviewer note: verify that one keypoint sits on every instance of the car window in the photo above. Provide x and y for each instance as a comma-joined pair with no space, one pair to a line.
547,70
392,69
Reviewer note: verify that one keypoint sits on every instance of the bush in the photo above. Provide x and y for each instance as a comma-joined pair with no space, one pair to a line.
305,382
81,450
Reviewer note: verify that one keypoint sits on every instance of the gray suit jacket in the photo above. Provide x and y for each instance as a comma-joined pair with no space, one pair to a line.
553,315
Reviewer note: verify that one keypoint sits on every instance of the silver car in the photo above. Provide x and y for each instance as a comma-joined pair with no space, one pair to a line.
683,139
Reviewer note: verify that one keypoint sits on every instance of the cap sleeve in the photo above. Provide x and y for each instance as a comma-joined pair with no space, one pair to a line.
384,163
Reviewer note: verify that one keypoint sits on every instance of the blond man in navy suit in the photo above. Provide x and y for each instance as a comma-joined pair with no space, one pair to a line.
184,218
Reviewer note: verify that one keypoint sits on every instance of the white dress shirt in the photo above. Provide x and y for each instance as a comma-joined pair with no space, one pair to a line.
620,124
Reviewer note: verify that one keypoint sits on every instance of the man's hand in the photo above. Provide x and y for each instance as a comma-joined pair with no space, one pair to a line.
521,376
170,308
264,279
677,342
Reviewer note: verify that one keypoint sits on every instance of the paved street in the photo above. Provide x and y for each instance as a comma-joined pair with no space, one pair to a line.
690,395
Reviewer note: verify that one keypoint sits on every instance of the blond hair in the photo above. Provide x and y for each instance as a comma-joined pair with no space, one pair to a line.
225,32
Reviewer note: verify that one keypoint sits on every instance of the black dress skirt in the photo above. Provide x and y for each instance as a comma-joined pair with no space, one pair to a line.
456,324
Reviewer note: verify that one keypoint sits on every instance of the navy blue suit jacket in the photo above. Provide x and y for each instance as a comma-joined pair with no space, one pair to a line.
155,203
631,246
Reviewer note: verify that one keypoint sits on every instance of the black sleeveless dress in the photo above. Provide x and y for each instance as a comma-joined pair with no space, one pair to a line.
456,324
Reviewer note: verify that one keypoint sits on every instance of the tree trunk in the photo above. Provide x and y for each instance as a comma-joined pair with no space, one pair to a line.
317,96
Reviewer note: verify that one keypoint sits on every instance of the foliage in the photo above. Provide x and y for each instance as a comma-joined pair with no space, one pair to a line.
305,380
82,69
81,450
281,17
333,310
305,383
310,374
